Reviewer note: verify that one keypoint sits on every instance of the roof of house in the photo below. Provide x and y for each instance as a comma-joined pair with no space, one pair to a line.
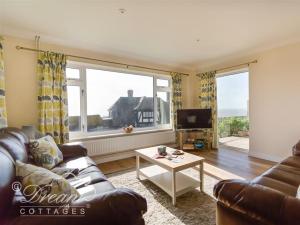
125,102
137,103
145,104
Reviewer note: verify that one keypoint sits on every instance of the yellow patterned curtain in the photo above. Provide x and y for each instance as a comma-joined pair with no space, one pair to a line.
208,100
176,98
52,96
3,115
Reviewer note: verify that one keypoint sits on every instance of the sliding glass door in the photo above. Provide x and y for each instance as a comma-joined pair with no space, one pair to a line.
233,110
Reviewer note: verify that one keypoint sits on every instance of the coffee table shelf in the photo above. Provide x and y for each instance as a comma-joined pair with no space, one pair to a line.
163,179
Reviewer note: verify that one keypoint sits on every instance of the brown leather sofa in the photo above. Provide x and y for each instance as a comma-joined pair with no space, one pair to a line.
103,203
267,199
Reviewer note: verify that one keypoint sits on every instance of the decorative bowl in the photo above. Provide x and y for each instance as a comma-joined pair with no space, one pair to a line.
128,129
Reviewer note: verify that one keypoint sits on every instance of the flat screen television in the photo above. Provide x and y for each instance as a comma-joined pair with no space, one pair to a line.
194,119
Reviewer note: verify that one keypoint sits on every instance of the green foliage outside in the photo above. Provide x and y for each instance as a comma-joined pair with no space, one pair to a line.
233,126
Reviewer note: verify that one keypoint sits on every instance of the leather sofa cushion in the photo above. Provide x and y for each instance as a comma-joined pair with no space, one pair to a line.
81,163
296,149
90,175
98,188
88,171
284,176
14,146
7,176
293,161
16,133
276,185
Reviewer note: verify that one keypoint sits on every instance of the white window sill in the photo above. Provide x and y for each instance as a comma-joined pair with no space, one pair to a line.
85,137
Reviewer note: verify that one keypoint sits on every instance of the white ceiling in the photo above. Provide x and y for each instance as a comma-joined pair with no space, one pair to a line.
159,32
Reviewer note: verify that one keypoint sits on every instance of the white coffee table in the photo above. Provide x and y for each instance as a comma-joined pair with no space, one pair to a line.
167,174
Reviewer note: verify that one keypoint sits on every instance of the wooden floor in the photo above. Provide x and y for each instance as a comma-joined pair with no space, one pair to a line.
222,164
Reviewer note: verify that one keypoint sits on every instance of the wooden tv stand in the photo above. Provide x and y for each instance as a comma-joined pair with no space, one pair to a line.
188,137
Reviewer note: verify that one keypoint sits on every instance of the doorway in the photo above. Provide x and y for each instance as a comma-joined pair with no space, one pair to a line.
233,110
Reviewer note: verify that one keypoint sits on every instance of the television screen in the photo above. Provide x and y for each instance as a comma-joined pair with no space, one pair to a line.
194,118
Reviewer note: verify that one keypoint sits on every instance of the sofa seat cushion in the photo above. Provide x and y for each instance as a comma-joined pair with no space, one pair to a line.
90,175
88,172
94,189
80,163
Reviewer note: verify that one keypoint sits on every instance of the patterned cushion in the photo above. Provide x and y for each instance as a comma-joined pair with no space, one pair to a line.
45,152
43,187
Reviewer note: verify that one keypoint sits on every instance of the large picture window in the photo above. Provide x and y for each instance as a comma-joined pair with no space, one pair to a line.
104,101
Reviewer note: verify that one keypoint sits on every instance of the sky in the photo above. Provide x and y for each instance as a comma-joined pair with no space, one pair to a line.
104,88
233,93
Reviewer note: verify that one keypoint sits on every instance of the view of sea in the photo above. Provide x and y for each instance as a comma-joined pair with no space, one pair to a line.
232,112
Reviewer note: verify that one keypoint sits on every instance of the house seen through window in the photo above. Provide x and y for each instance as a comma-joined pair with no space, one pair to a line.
106,101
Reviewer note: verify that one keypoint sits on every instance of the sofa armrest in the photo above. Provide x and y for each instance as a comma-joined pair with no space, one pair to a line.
296,149
72,150
120,206
258,202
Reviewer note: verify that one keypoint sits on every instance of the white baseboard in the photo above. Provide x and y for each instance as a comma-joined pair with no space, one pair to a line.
265,156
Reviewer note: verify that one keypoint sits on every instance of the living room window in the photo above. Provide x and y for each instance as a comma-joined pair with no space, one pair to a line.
103,101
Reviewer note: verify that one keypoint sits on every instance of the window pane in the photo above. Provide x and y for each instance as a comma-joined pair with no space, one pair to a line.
74,108
72,73
162,83
116,100
163,108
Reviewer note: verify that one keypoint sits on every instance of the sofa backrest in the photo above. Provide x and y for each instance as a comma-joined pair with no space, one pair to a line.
296,149
7,177
16,132
14,141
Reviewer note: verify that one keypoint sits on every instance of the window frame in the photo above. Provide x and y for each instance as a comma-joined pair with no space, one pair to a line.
81,82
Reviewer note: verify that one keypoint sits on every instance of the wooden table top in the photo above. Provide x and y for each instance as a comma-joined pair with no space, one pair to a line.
186,160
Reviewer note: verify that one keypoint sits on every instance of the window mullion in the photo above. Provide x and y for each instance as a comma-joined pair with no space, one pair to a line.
154,102
170,100
83,100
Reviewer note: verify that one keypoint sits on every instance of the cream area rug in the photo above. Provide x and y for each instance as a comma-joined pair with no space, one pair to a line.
192,208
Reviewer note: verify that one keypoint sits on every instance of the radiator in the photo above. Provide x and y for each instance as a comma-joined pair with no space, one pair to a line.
110,145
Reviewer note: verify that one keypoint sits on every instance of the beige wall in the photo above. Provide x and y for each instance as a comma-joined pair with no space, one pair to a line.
21,82
274,97
274,103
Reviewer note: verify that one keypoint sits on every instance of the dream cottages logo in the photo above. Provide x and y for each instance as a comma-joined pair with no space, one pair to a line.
48,200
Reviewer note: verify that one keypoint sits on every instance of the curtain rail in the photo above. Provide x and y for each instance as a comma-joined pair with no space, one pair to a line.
104,61
230,67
